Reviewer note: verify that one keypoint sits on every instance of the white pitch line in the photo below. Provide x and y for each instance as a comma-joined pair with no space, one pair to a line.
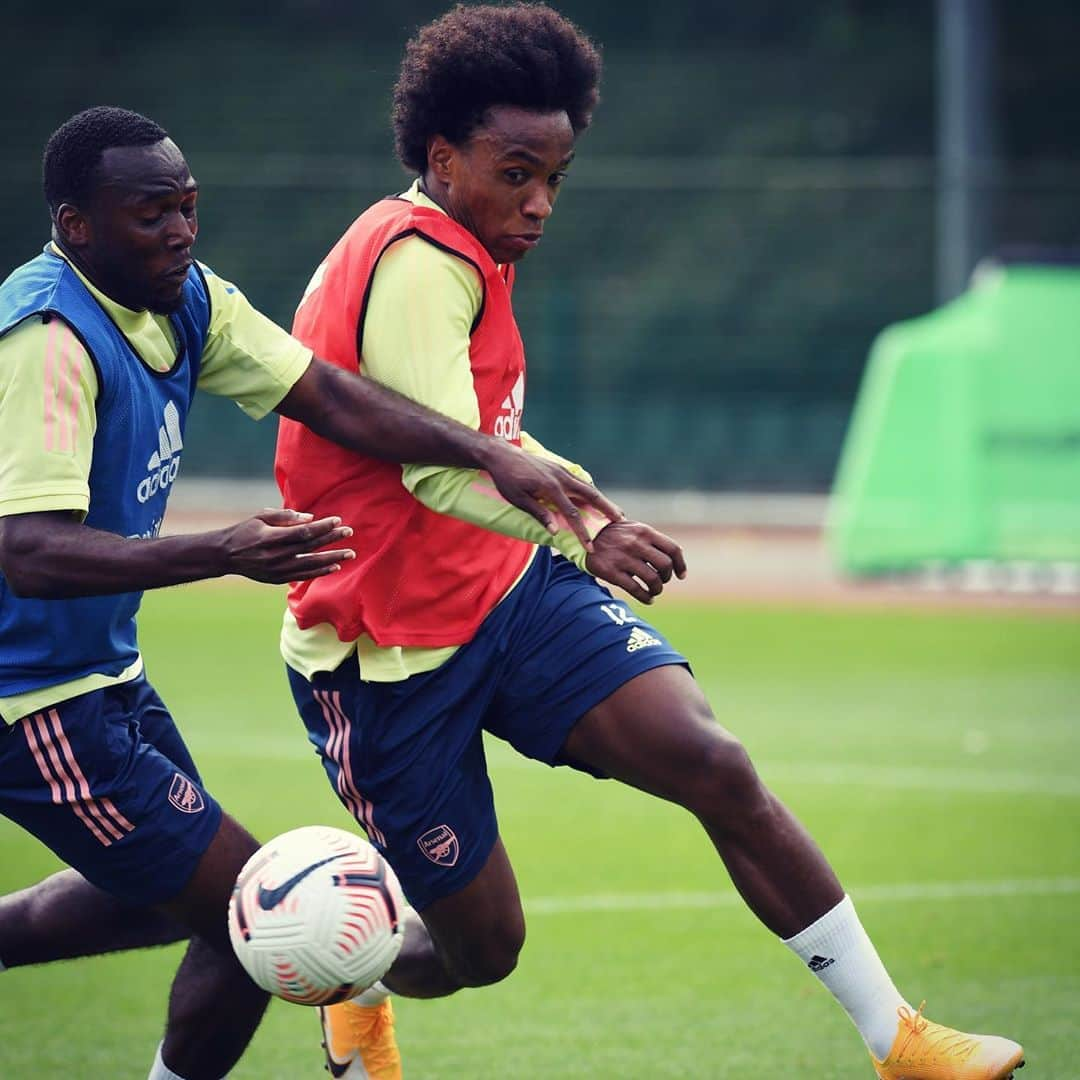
927,890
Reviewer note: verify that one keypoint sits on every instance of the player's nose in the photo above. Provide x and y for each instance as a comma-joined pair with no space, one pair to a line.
181,232
538,206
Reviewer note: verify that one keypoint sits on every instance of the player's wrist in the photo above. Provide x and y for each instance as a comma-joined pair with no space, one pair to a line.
492,452
211,554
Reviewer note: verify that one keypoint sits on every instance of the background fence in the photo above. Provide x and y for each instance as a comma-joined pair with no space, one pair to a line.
755,201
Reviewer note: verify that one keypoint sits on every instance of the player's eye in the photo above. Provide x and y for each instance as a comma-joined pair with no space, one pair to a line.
555,179
515,176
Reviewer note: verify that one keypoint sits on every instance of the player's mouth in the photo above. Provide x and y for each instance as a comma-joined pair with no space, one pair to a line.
179,273
523,242
169,289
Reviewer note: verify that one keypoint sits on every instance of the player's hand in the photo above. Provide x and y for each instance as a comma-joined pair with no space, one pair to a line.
547,491
277,546
636,557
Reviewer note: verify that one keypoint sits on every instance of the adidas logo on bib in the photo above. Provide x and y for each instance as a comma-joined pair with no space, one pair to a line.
164,462
640,639
508,422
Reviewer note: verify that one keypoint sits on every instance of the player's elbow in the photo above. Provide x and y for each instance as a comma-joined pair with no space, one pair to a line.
336,405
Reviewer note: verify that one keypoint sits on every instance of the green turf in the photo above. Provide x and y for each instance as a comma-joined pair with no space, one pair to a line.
922,749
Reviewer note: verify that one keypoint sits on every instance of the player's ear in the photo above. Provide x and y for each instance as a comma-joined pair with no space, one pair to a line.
440,157
72,225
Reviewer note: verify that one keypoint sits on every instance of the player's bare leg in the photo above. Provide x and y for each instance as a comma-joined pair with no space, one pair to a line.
471,938
64,917
658,734
214,1008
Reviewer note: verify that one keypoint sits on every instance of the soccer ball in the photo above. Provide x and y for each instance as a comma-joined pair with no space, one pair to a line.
316,915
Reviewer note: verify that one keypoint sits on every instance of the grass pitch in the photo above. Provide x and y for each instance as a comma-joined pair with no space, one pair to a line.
934,755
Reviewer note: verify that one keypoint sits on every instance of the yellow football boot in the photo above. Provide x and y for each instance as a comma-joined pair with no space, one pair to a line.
359,1041
924,1050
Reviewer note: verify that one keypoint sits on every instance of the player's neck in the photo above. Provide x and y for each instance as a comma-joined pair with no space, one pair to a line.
80,264
435,191
88,273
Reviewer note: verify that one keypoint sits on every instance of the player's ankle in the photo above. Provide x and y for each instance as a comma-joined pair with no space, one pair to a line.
160,1071
839,952
374,995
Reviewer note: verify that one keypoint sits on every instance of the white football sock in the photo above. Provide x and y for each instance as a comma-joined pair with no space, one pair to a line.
375,994
160,1071
838,951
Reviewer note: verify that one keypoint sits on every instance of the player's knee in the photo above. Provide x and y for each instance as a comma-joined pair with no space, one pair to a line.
492,959
725,787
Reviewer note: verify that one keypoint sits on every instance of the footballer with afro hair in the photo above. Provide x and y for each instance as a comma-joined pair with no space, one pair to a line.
460,65
462,620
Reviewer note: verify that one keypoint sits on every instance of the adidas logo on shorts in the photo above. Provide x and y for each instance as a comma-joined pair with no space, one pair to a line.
640,639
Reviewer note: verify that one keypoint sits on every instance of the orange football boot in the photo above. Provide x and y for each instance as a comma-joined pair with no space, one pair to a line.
359,1041
924,1050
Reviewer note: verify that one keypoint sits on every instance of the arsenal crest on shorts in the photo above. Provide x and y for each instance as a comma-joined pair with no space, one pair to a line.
440,845
185,796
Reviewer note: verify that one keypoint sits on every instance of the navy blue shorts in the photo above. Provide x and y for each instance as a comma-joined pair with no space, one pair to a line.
105,780
407,758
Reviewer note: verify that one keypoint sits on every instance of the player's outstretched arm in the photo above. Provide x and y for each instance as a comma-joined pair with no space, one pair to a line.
359,413
51,555
637,558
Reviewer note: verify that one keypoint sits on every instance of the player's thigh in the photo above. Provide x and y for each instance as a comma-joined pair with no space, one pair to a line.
81,778
657,733
158,729
202,904
479,930
407,760
571,647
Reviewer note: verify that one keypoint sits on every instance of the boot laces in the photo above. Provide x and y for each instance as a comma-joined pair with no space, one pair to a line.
937,1040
